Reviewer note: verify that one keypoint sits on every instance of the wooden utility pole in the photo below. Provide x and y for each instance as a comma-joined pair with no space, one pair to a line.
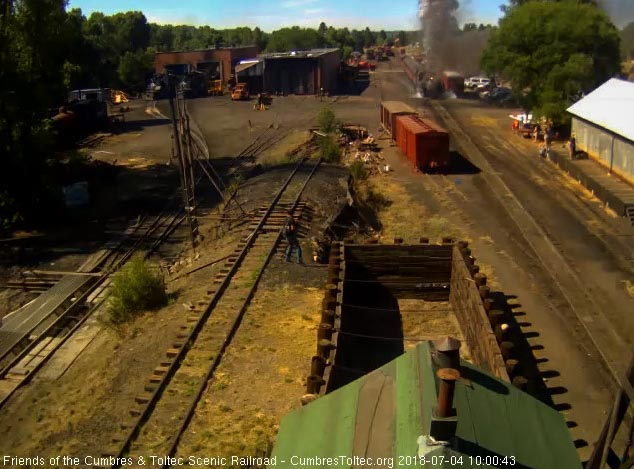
183,153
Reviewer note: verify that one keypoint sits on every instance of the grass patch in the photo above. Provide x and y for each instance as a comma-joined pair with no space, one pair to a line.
326,120
135,289
287,151
329,149
357,171
375,200
438,227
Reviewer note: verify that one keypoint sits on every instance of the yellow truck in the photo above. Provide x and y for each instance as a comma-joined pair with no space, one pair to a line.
240,92
216,89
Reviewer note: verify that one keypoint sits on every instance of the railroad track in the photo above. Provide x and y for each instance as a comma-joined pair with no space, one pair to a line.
32,347
161,414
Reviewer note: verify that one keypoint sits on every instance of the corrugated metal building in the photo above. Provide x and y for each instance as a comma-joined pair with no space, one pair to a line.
603,123
392,412
218,62
301,72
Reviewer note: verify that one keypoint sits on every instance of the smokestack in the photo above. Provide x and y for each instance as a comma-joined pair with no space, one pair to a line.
448,378
444,419
447,353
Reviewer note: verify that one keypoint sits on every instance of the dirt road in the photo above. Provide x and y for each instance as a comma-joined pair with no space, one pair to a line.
576,378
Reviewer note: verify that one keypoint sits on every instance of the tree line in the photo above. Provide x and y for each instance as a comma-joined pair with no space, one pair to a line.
47,50
553,53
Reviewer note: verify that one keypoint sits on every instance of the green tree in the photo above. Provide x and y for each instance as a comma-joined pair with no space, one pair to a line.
162,37
329,149
551,52
259,38
326,120
402,38
369,38
346,52
135,69
382,37
295,38
33,47
357,39
322,29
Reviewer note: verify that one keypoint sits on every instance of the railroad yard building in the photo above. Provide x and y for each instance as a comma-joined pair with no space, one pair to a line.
603,124
296,72
219,62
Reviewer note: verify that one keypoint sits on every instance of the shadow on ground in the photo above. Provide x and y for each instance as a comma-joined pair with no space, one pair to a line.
519,333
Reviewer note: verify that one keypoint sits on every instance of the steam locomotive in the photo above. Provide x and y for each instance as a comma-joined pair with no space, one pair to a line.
432,85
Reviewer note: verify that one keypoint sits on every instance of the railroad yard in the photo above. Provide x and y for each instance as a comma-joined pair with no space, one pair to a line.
216,370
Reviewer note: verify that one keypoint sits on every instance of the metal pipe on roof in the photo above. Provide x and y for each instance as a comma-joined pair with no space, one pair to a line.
448,378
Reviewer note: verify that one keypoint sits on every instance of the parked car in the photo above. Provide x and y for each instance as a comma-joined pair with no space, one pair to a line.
500,96
495,93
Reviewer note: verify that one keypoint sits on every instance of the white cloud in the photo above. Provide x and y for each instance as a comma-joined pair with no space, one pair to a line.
313,11
297,3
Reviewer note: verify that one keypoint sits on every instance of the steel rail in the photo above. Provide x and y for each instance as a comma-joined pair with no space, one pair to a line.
70,313
236,323
155,395
59,324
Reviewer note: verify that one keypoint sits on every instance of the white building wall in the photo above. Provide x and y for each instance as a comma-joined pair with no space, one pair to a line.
612,150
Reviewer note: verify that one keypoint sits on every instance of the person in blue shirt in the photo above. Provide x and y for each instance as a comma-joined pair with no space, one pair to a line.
290,233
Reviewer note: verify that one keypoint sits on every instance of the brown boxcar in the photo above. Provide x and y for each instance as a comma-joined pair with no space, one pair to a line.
424,143
389,111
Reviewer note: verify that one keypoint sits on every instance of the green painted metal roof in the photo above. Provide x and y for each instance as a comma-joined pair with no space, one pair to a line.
383,414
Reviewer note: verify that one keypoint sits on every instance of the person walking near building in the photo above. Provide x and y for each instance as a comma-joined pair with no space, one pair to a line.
548,139
572,146
290,233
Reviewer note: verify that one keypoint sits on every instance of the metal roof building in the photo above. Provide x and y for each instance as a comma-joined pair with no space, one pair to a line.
217,62
603,123
392,412
296,72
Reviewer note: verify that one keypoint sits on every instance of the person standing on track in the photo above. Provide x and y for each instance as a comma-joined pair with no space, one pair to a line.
290,233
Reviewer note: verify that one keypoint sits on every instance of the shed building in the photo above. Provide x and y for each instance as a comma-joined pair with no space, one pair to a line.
218,63
603,123
301,72
393,413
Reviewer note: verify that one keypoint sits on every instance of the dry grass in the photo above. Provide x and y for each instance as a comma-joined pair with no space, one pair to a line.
261,376
281,152
78,412
404,216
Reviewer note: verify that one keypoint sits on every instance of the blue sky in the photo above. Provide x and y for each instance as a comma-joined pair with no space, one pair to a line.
377,14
